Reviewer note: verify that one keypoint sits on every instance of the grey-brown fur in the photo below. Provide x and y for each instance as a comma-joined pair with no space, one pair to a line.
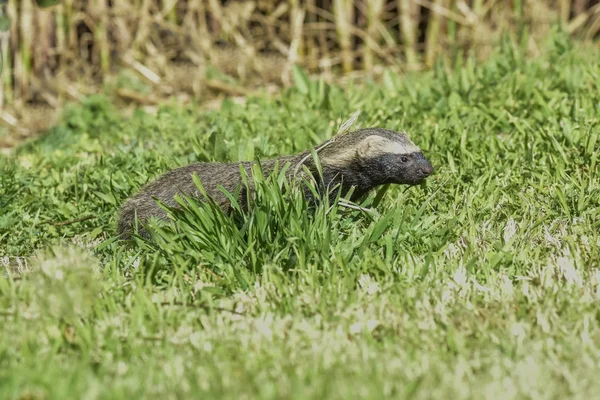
361,160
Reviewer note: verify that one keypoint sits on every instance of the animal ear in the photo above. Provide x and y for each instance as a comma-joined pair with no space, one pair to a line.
371,146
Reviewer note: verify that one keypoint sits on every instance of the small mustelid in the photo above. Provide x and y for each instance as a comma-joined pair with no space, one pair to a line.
360,160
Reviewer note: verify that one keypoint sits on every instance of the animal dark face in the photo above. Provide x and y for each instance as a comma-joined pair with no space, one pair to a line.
407,169
373,157
393,159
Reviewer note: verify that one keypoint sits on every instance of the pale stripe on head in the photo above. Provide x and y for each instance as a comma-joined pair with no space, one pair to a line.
373,146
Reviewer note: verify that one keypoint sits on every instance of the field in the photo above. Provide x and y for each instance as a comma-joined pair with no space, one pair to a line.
482,283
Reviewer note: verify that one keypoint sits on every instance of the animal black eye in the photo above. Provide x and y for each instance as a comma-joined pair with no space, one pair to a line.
404,159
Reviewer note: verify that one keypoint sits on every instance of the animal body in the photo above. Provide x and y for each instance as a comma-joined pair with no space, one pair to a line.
360,160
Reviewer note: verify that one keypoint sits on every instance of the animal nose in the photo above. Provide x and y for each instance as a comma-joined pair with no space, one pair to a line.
426,170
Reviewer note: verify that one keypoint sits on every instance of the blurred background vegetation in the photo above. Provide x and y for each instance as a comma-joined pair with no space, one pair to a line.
148,50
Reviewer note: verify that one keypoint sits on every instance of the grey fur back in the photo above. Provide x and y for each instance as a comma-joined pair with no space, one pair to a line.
179,181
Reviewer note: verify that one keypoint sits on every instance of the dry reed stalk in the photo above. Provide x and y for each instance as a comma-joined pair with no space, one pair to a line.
468,13
320,53
169,11
23,54
143,24
99,11
143,71
310,45
579,7
383,53
296,21
433,31
374,10
61,30
350,30
203,37
6,86
11,10
344,15
584,17
564,7
441,8
71,33
122,27
409,22
323,22
5,68
41,46
451,28
594,26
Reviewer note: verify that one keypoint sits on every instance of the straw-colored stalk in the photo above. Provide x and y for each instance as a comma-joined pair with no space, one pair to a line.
374,9
433,32
594,26
296,47
61,31
311,46
6,68
296,21
6,88
409,14
25,37
344,16
143,24
100,34
564,7
170,10
202,32
71,34
44,32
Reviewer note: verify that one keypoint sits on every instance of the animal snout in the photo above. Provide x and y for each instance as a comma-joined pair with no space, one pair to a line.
426,170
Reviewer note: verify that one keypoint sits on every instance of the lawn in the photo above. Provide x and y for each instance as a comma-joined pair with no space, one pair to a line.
482,283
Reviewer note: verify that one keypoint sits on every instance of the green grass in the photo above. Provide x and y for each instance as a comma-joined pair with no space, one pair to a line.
483,283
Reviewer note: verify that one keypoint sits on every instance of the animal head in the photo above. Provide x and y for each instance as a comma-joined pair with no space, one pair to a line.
383,155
